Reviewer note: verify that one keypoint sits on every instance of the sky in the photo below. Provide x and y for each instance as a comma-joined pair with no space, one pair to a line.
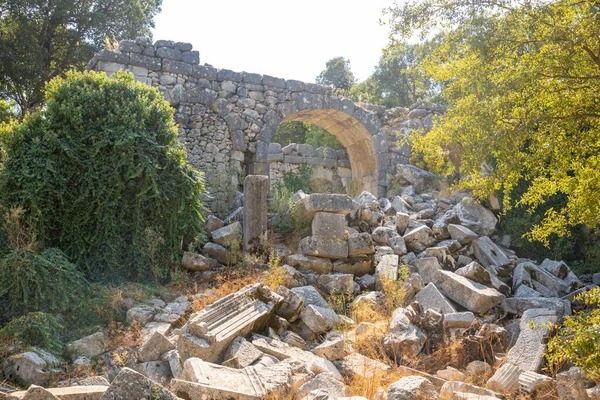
281,38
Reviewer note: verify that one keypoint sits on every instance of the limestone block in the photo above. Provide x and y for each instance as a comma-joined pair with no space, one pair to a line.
89,346
442,253
333,203
459,319
83,392
487,253
411,388
460,390
175,364
431,298
357,266
311,296
241,354
383,234
291,305
332,350
451,374
528,351
387,267
197,262
505,379
203,380
357,364
210,331
518,305
256,189
334,284
276,379
360,244
402,221
329,225
419,239
319,319
475,272
228,235
461,233
475,217
216,251
154,347
427,268
398,245
320,365
310,263
158,371
141,314
129,384
471,295
326,385
404,339
322,246
532,382
423,181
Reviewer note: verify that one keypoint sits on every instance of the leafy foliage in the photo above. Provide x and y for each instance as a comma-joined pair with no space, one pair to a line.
41,40
521,82
35,329
305,133
97,168
578,339
337,73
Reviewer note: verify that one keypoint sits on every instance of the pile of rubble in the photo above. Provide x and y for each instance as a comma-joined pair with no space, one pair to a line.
464,285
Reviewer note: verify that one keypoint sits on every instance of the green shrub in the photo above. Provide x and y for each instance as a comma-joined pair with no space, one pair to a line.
98,167
578,339
32,281
300,179
35,329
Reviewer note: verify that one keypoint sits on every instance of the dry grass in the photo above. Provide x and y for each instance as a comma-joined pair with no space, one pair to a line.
119,335
276,275
225,284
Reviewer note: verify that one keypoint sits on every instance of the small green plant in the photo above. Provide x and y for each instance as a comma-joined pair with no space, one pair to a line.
299,179
276,275
35,329
341,303
577,339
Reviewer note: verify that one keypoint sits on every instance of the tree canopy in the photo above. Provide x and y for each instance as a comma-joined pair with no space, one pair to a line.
41,39
337,73
522,83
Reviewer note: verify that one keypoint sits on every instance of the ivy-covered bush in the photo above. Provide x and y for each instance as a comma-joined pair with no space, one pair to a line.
97,169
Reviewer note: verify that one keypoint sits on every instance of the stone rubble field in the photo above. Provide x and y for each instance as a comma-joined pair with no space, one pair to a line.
464,287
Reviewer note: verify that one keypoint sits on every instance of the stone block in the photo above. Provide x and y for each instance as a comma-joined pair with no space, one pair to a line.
319,319
528,351
228,235
505,379
387,267
89,346
471,295
129,384
333,203
427,267
320,246
431,298
332,350
210,331
35,366
461,233
488,253
419,239
311,296
475,272
309,263
442,253
329,225
216,251
459,319
335,284
241,354
291,305
197,262
532,382
141,314
518,305
358,365
203,380
360,244
476,217
256,189
411,388
176,67
88,392
154,347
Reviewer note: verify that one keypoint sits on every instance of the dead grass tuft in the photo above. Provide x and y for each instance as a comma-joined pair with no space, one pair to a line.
119,335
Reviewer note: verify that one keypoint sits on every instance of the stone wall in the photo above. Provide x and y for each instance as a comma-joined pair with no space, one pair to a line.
227,119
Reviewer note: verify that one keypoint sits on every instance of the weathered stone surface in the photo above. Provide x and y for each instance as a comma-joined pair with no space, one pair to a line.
329,225
570,385
476,217
360,244
419,239
158,371
141,314
357,364
475,272
357,266
431,298
321,246
175,364
332,203
411,388
154,347
277,379
310,263
528,351
471,295
320,365
203,380
478,368
505,379
130,384
518,305
292,304
197,262
209,332
383,234
451,374
398,245
228,235
404,339
442,253
402,221
85,392
89,346
460,390
326,385
421,180
241,354
532,382
427,268
332,350
387,267
459,319
319,319
35,366
488,254
461,233
216,251
256,189
336,283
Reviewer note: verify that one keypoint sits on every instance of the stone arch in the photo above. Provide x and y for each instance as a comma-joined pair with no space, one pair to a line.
357,130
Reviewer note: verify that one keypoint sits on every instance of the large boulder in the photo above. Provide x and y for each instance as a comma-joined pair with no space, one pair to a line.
419,239
476,217
404,339
35,366
129,384
473,296
412,388
423,181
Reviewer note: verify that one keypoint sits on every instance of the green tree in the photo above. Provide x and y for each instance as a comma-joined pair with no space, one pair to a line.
337,73
7,111
41,39
101,175
522,86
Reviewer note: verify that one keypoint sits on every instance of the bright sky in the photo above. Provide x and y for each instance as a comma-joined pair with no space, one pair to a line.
285,39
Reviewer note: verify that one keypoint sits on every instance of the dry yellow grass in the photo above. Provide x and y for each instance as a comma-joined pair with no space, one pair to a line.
119,335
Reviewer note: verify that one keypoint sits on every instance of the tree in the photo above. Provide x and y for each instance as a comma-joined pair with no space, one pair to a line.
522,88
337,74
101,175
42,39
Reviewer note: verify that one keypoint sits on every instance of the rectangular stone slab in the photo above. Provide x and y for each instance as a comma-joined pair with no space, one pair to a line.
69,393
473,296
